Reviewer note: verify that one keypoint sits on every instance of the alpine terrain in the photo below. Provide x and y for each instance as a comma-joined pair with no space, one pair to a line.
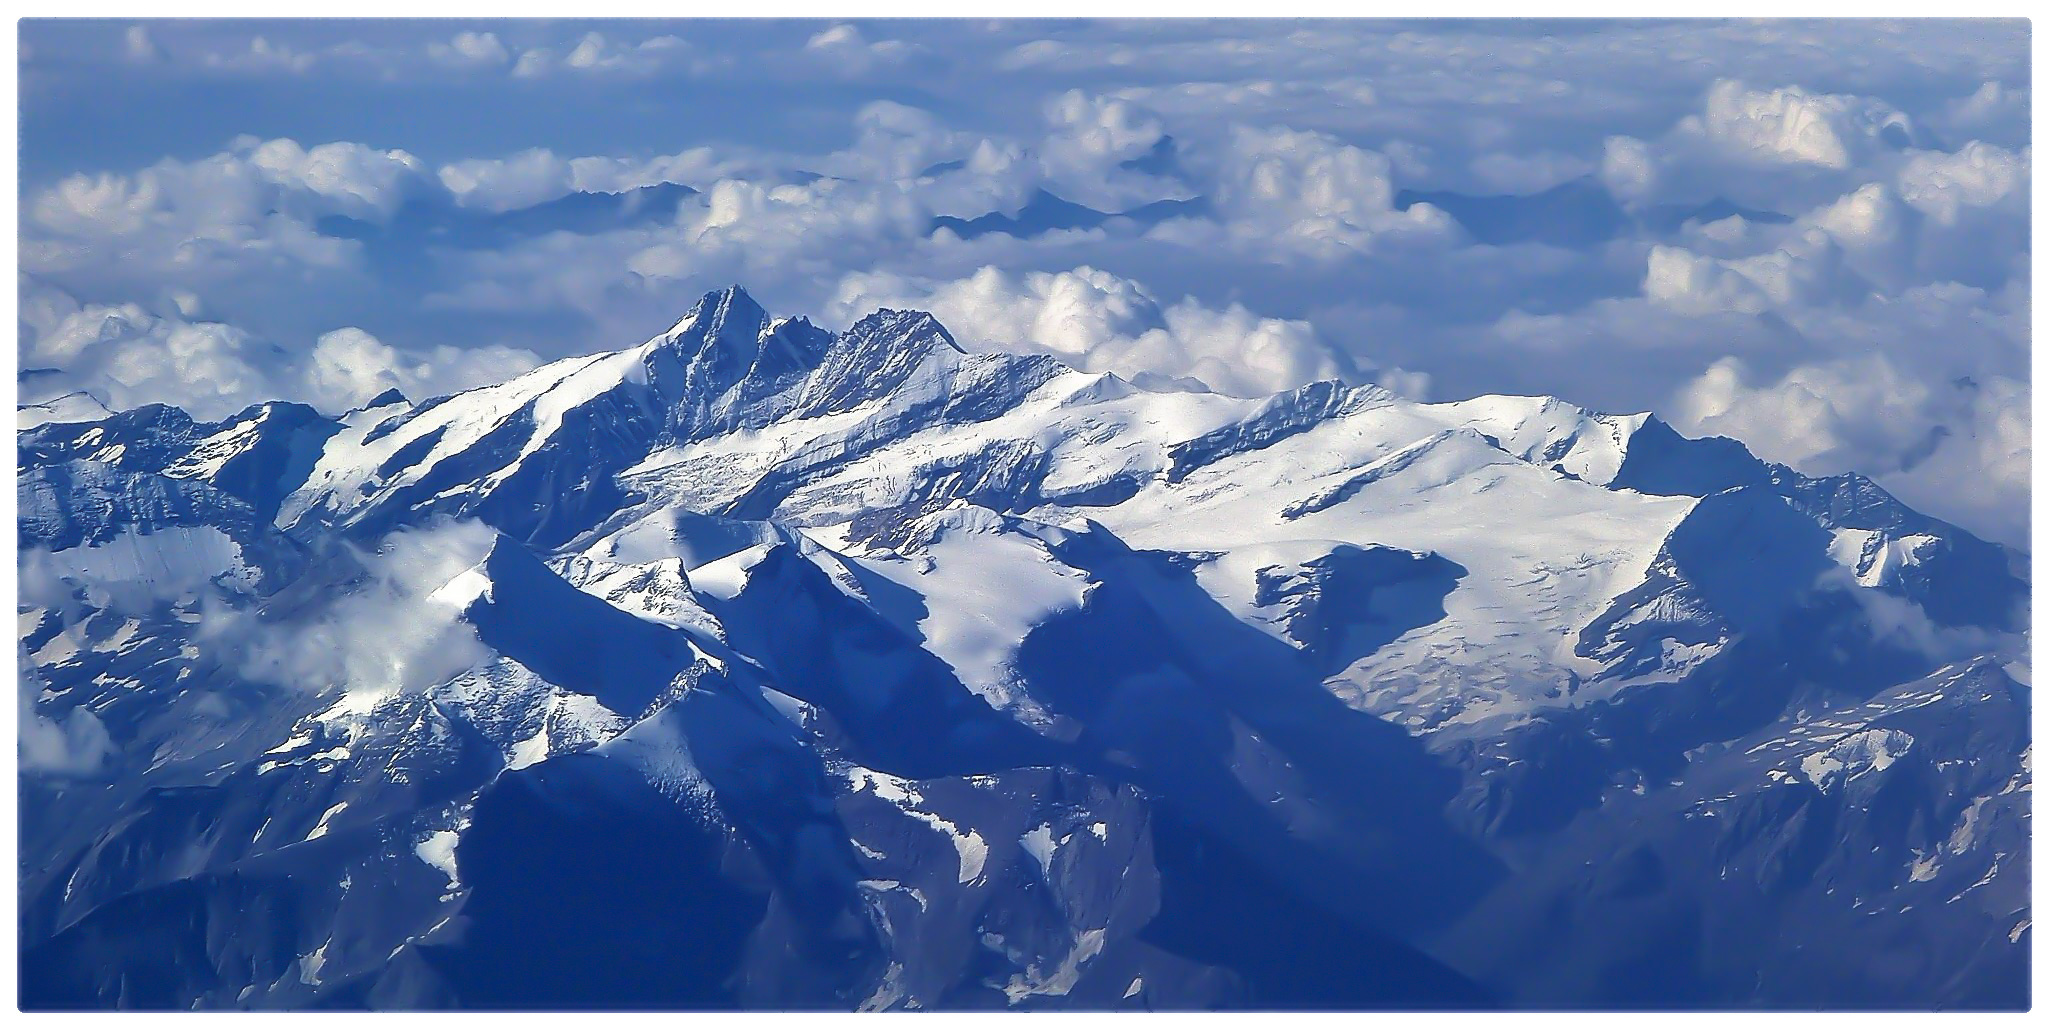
763,666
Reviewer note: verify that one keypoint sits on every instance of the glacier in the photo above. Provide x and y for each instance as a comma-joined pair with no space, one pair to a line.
763,666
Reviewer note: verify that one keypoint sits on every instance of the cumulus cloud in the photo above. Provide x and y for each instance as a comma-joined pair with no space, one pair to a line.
1314,192
1873,172
1960,446
697,164
529,177
895,141
1775,147
595,54
127,356
1936,216
537,175
846,47
348,367
262,55
1791,125
1945,185
1946,427
1629,168
1090,139
400,629
748,231
1900,310
1900,622
1994,112
73,744
1096,321
1865,219
470,50
1896,245
352,178
136,45
1806,270
251,209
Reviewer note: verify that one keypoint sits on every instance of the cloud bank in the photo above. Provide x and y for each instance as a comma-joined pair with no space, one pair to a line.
400,631
1809,235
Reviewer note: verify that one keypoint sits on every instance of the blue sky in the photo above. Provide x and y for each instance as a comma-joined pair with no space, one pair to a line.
1811,236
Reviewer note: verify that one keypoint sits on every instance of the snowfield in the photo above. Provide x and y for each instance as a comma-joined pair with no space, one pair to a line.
765,666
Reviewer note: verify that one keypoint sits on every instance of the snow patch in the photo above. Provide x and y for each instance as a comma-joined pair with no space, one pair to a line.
438,850
1854,755
1039,843
1060,980
320,828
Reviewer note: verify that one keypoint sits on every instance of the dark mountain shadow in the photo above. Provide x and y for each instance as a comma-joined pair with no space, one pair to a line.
588,890
202,938
571,638
1354,600
155,950
1219,908
1957,579
1661,462
903,710
1743,884
1742,573
1236,730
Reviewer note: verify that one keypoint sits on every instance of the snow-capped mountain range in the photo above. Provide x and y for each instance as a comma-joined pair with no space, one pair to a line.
765,666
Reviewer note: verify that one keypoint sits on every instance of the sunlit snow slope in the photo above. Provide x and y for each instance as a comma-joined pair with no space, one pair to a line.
763,666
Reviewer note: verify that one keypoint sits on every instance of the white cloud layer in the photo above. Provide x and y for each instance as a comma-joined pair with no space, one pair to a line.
75,744
400,630
1795,225
127,356
1929,394
1096,321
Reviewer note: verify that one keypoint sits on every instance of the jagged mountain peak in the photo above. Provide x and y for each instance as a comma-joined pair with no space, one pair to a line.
385,399
857,614
904,329
719,365
875,356
719,306
75,406
726,319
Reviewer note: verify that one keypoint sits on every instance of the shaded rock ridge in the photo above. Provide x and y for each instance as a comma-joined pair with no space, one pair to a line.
766,666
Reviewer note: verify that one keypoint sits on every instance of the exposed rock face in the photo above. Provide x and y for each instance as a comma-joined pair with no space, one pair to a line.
761,666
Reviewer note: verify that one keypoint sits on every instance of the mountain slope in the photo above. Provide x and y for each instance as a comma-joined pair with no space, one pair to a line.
763,666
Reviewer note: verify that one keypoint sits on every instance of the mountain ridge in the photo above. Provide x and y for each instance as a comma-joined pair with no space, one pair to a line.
968,680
